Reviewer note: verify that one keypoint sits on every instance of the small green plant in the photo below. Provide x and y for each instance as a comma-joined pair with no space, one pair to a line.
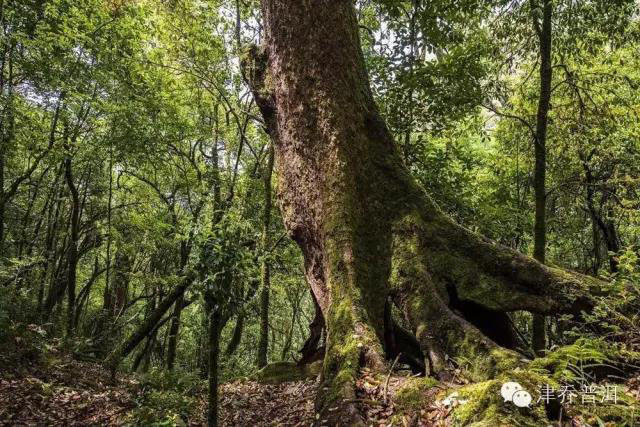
616,317
167,399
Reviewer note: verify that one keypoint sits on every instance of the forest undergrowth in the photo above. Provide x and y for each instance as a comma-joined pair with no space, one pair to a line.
41,384
56,390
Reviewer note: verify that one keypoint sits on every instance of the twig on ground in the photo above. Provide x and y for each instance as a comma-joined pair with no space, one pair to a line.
386,382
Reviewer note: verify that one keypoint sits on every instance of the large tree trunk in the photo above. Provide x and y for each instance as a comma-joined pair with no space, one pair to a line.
369,235
543,30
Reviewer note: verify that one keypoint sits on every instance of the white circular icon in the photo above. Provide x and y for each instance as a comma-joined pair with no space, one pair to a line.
508,389
521,398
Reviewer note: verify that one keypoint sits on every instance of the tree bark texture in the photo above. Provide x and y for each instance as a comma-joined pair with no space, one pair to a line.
369,234
544,32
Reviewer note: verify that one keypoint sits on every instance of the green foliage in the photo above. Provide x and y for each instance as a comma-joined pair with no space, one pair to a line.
161,122
167,399
572,363
617,314
23,344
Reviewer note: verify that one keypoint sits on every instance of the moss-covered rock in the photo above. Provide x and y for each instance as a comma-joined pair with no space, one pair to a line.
484,406
280,372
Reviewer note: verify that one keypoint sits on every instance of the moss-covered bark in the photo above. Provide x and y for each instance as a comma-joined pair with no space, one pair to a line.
368,233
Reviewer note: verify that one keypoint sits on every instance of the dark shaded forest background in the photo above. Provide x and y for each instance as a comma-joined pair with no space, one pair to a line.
138,191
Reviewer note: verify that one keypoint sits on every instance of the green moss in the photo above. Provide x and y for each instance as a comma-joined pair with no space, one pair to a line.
280,372
480,364
414,394
355,317
341,362
505,359
484,406
479,404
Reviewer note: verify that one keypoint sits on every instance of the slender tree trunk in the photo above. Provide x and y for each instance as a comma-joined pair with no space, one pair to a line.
415,4
2,197
173,332
141,355
600,224
45,213
612,240
26,218
128,345
313,348
263,343
544,32
179,305
72,254
218,208
106,296
2,210
149,354
597,245
174,329
122,266
237,334
58,276
48,269
6,133
214,352
83,297
286,347
369,234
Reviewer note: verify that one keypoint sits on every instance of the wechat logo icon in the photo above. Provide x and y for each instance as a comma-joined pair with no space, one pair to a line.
513,392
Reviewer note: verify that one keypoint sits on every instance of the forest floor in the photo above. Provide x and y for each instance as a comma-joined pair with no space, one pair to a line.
67,392
73,393
60,391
